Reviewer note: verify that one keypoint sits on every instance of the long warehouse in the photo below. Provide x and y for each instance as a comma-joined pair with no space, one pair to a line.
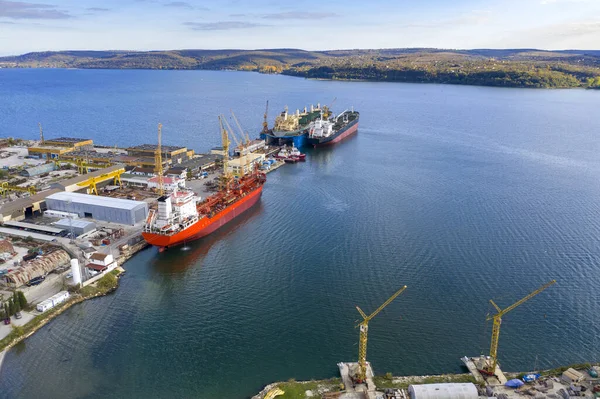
115,210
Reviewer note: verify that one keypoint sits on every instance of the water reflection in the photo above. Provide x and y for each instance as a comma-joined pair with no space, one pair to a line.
180,258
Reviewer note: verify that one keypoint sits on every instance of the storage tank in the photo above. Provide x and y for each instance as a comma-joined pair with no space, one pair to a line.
76,271
444,391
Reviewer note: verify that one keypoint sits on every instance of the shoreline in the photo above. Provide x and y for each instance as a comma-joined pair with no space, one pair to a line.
41,320
332,79
332,386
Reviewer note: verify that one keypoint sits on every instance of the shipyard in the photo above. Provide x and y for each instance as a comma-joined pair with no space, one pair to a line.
73,211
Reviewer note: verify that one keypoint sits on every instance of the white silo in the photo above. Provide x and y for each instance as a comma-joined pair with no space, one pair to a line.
75,271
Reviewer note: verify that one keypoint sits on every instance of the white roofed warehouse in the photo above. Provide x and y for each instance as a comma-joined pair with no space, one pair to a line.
114,210
443,391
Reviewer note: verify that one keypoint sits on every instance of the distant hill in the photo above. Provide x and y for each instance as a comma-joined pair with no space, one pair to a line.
489,67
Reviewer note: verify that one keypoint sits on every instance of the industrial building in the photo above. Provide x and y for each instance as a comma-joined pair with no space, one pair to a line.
55,148
244,164
444,391
39,170
115,210
22,207
86,181
253,146
38,267
171,155
78,226
201,162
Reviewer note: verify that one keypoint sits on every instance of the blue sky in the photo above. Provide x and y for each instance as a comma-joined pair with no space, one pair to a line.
41,25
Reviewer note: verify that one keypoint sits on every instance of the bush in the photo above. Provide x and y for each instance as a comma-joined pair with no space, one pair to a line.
22,299
107,282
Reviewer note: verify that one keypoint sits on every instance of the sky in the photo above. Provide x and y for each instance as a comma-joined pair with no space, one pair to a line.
45,25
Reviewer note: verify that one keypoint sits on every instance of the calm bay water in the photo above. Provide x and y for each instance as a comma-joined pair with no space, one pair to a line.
462,193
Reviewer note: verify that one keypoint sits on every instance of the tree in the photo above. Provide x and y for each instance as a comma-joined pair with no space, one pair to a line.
22,299
17,306
6,310
11,307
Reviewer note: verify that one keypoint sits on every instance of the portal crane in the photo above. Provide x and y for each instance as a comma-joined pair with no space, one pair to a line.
226,142
244,135
158,166
364,329
227,126
497,318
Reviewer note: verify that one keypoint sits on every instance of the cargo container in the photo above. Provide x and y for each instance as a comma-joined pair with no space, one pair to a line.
44,305
59,298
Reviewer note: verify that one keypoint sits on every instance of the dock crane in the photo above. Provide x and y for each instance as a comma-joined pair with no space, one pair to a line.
364,329
497,318
244,135
265,123
158,167
227,126
327,109
225,143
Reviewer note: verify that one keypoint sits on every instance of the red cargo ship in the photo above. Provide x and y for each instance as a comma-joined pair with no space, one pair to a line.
181,218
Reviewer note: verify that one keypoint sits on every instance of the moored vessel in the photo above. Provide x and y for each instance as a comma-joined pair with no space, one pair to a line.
326,131
292,128
182,216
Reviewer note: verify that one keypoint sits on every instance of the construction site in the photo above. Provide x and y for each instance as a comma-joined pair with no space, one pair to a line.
485,378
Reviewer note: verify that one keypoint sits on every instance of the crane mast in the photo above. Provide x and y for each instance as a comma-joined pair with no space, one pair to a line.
265,123
225,143
158,162
364,329
497,320
41,133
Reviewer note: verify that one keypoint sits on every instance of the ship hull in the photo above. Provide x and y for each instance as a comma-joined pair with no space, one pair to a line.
206,225
344,132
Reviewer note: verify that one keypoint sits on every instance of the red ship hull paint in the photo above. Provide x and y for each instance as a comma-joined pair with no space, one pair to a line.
206,225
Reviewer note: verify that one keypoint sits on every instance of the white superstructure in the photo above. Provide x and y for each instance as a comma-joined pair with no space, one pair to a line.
176,211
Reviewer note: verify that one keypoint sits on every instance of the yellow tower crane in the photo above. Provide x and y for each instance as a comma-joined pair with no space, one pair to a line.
158,166
497,318
364,329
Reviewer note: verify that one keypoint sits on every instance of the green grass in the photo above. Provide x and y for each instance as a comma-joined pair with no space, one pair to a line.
31,325
104,285
383,382
297,390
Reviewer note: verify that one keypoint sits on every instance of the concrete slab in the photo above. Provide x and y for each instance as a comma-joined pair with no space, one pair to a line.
6,329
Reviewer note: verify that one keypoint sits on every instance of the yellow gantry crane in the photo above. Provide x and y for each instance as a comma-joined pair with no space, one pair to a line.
497,318
5,188
92,182
158,166
364,329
